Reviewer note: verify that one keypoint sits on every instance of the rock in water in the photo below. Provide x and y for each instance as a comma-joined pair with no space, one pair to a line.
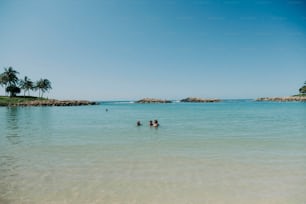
199,100
153,100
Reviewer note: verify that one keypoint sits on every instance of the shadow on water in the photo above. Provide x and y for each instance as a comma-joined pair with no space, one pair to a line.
13,125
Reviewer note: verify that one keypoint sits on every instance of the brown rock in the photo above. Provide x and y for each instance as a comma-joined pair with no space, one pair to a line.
153,100
53,102
283,99
199,100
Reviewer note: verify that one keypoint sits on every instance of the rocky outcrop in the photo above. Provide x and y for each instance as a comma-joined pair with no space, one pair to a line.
199,100
56,103
153,100
284,99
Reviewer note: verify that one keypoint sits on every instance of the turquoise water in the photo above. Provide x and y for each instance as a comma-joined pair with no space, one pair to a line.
237,151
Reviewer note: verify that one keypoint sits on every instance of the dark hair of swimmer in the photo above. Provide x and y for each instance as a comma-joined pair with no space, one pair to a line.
155,123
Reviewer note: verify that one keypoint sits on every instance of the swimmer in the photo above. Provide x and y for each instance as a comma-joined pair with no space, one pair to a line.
150,123
155,124
138,123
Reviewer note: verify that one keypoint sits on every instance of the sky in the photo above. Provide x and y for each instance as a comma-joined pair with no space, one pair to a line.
169,49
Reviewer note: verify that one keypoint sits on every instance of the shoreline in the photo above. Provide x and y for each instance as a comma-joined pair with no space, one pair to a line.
283,99
53,102
34,101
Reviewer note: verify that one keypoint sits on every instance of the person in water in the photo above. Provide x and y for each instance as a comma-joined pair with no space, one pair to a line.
150,123
155,124
138,123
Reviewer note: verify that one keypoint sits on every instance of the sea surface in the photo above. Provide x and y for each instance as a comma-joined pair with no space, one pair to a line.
232,152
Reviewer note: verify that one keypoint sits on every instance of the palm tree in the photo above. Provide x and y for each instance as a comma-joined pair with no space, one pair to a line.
9,79
43,85
3,80
26,84
11,75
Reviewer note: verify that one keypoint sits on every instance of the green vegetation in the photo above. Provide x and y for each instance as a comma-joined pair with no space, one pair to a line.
13,85
303,89
300,95
8,101
26,84
43,85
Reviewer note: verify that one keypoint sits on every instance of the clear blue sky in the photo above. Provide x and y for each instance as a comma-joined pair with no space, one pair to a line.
116,49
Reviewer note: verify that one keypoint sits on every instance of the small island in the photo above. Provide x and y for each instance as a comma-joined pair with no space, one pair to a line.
153,100
13,86
199,100
301,97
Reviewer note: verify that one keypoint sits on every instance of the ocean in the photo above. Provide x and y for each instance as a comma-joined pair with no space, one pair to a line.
235,151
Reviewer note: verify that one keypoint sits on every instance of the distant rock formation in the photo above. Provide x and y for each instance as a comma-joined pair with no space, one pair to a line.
153,100
284,99
53,102
200,100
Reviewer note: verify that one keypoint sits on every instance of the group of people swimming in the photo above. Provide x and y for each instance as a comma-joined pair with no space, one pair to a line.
151,123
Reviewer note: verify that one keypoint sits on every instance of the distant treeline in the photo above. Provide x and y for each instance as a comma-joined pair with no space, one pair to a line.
13,85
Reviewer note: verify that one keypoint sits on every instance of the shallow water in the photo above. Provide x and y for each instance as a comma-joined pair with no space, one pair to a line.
228,152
